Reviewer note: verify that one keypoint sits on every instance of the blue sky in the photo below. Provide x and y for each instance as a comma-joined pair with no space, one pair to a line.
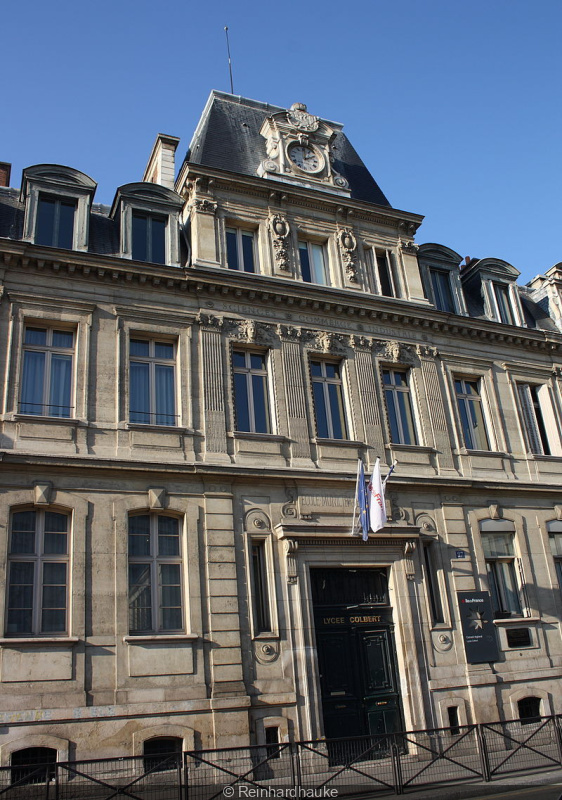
455,107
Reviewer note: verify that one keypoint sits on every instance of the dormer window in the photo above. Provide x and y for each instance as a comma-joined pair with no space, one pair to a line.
441,289
57,206
441,278
55,222
503,303
148,215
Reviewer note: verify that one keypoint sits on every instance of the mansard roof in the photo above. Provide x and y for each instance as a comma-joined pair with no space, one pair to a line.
228,138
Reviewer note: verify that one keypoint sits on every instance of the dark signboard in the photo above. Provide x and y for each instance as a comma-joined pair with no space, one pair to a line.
478,629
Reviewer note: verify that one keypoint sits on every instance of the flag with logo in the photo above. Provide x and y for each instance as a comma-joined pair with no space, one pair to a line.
362,501
377,506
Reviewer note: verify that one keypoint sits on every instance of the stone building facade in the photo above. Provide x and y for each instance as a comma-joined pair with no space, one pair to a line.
190,378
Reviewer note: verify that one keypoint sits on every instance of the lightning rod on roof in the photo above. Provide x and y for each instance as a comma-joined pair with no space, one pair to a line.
229,59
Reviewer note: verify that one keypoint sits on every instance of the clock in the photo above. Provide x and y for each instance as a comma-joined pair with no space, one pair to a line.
305,158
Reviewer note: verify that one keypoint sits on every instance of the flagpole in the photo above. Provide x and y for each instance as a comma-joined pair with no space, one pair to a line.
355,500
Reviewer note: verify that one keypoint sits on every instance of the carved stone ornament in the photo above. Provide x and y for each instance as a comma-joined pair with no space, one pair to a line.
426,351
279,228
396,352
266,652
291,550
408,227
157,497
409,247
494,511
42,492
204,205
331,343
289,333
298,116
426,524
442,642
361,342
210,321
409,549
340,181
268,165
256,520
348,250
289,510
248,330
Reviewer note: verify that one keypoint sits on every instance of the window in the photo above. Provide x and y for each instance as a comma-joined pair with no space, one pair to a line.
33,765
555,539
250,392
500,567
162,753
398,406
470,410
272,748
533,420
54,225
529,709
149,237
503,303
432,582
383,274
46,383
38,573
240,250
313,263
328,399
262,617
155,579
453,717
152,384
441,289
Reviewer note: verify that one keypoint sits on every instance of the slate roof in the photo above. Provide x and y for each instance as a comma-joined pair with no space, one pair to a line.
228,137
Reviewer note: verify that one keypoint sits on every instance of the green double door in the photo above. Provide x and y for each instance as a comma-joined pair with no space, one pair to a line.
357,679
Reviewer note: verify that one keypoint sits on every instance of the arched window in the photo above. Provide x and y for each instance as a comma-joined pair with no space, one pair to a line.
529,710
161,753
38,573
33,765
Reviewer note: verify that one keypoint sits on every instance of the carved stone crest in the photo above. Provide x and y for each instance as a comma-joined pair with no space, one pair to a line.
395,352
248,330
348,250
298,116
205,205
328,342
279,228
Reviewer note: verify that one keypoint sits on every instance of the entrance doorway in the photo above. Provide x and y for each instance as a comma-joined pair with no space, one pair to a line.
354,637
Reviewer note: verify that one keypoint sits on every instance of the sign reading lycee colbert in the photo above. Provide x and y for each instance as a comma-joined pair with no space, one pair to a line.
478,629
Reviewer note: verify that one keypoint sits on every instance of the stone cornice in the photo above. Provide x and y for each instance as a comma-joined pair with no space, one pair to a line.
228,285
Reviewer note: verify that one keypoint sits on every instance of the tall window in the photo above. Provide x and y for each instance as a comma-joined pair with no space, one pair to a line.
152,385
46,383
441,289
250,391
155,574
149,237
328,399
240,249
432,582
37,573
383,274
399,406
313,263
500,566
55,221
555,538
533,420
470,410
262,617
503,303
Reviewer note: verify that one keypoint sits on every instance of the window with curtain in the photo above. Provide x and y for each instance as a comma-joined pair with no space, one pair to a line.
155,574
37,573
469,403
327,393
251,400
399,406
152,393
497,538
47,372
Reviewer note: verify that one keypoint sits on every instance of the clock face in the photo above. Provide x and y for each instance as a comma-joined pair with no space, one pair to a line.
305,158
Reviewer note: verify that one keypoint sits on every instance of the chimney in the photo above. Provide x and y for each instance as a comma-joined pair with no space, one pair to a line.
5,170
161,167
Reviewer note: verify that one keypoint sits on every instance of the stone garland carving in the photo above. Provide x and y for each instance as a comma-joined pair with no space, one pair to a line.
291,549
204,205
348,250
279,228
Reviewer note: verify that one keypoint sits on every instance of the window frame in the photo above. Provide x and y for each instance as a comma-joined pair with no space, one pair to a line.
55,231
156,560
149,245
308,245
431,572
532,418
240,233
501,569
381,258
325,381
49,349
39,558
392,392
469,400
436,291
153,362
251,373
262,618
503,303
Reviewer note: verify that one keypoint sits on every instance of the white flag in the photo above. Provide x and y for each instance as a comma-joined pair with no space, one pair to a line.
377,506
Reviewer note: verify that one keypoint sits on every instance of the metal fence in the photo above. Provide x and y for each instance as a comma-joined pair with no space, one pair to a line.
389,763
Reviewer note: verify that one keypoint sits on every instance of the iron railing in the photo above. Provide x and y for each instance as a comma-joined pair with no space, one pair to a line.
394,762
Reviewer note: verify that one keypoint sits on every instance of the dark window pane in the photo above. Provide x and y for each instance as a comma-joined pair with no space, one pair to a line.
36,336
20,621
232,249
56,523
55,543
164,350
139,234
165,399
316,368
261,411
45,227
140,524
241,402
332,370
320,409
305,263
336,409
248,252
261,597
63,339
161,753
384,276
33,765
66,225
139,347
20,596
54,597
140,393
54,573
158,240
23,542
257,361
392,417
53,621
239,359
23,521
33,383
